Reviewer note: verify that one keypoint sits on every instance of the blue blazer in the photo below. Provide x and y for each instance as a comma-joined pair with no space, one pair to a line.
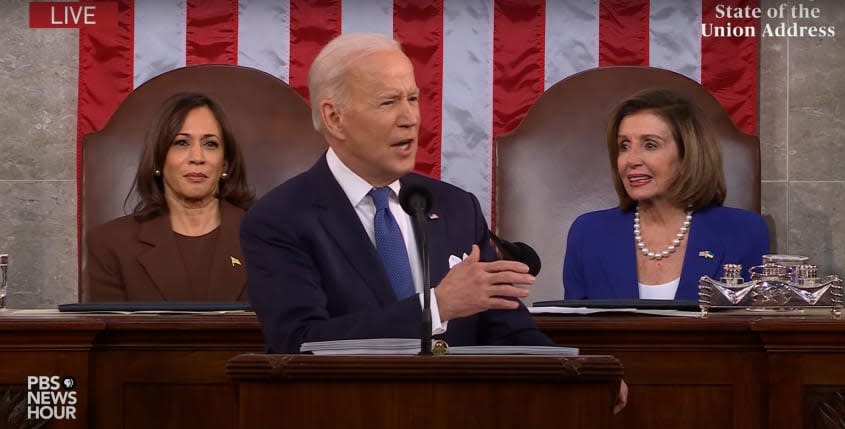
601,263
313,274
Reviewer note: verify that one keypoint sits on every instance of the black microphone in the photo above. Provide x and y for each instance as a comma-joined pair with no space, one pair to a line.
415,199
519,252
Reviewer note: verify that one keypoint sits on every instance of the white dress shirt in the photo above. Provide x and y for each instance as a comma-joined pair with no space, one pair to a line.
357,190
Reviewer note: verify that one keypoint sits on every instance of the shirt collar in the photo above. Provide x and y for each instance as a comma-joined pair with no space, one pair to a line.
353,185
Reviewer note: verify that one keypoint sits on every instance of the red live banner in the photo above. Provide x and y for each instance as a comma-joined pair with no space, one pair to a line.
72,14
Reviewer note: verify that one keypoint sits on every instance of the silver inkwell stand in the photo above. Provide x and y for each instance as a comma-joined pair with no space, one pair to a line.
783,283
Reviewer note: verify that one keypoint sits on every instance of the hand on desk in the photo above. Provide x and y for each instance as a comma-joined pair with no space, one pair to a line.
473,286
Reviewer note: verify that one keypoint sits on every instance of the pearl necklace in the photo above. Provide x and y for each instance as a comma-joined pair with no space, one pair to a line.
670,248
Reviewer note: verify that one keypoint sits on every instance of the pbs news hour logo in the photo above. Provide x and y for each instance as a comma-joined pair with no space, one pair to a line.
50,397
72,14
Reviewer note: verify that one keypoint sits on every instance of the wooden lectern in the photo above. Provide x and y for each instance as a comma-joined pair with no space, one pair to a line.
514,391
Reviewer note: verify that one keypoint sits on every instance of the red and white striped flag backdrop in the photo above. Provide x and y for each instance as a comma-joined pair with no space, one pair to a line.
480,64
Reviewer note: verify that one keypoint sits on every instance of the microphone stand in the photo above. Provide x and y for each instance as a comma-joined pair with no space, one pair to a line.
416,201
422,244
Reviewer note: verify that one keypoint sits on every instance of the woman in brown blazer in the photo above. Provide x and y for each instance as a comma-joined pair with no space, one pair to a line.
181,241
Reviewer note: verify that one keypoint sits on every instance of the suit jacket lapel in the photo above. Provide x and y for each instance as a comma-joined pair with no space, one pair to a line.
162,261
438,251
621,261
341,222
705,255
227,270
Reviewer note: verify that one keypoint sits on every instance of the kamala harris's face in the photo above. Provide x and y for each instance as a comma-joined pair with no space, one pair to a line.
649,161
195,160
380,117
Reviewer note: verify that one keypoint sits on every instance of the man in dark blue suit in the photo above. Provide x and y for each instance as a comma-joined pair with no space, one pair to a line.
315,248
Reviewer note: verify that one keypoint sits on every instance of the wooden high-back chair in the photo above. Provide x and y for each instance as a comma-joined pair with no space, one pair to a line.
554,166
270,120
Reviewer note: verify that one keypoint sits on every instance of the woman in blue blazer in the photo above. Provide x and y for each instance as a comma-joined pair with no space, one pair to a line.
670,227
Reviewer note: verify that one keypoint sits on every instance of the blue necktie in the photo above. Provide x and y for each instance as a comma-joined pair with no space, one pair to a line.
391,246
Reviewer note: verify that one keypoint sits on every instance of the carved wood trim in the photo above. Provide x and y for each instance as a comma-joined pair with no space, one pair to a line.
551,369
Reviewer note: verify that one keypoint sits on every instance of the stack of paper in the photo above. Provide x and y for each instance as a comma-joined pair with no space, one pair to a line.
375,346
411,346
601,310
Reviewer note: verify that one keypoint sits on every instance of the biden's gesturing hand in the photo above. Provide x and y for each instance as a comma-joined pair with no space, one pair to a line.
473,286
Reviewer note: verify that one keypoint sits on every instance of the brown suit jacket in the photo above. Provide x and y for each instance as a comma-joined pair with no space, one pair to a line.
138,261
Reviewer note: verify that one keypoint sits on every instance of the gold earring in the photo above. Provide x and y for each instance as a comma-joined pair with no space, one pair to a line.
157,172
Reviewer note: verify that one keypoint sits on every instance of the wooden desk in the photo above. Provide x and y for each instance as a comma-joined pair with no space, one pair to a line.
43,346
139,371
720,372
168,371
146,371
806,372
388,392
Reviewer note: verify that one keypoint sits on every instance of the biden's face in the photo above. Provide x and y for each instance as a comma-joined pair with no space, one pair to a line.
379,118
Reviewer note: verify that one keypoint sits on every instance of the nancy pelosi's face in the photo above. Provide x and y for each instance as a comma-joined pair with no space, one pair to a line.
195,160
649,161
379,120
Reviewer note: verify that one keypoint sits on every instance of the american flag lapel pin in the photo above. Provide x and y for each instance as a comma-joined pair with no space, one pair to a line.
706,254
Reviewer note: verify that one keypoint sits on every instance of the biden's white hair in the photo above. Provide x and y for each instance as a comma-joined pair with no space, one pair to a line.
327,75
